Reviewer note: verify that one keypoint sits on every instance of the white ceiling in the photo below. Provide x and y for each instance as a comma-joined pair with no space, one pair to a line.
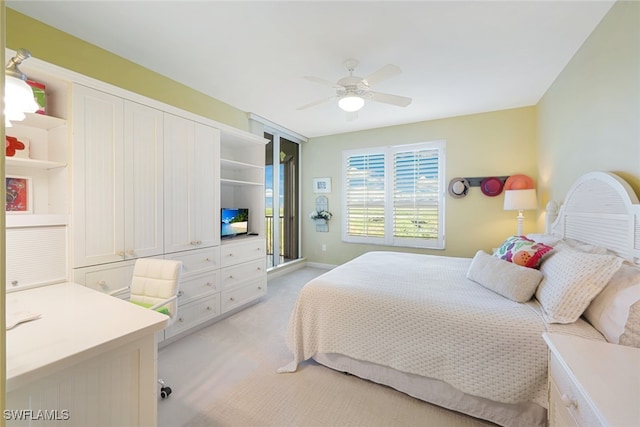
457,57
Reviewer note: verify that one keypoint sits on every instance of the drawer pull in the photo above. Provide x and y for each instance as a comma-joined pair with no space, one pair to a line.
231,299
259,268
180,319
207,260
102,284
567,401
120,253
208,308
230,276
209,284
14,283
198,242
180,293
193,243
260,288
130,252
230,254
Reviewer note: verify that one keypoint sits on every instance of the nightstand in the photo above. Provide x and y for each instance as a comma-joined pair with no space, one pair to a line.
592,383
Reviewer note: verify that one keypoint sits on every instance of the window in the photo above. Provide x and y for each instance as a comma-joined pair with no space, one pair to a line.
394,195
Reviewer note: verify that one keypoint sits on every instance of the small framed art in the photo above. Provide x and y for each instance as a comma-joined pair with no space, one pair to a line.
18,194
322,185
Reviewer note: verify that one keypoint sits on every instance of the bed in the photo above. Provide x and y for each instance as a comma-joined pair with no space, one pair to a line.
454,332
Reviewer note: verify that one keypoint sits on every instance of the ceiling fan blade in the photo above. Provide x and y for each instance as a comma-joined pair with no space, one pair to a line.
387,98
324,82
314,103
383,73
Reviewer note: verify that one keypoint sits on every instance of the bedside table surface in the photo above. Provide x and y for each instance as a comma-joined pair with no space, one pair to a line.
607,374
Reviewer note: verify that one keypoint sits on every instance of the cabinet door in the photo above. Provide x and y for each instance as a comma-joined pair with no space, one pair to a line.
205,185
192,214
98,182
143,181
178,197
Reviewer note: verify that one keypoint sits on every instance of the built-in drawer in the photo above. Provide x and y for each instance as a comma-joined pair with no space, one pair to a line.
238,274
198,285
106,277
243,294
197,261
568,395
194,313
239,252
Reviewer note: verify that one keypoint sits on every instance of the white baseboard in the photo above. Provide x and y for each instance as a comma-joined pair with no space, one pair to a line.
320,265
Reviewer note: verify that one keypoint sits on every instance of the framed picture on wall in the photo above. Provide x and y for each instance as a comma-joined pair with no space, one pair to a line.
18,194
322,185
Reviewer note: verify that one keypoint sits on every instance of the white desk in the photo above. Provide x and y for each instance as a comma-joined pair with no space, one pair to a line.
91,355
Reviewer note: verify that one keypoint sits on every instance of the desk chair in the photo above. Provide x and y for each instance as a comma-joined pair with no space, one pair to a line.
155,286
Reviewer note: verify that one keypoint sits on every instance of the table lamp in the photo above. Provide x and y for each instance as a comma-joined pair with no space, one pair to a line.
520,200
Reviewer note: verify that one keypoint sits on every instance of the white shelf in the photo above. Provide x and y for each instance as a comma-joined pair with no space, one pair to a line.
40,121
35,220
236,182
235,165
33,163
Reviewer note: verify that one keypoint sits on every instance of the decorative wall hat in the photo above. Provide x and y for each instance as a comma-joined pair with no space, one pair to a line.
458,188
491,186
518,182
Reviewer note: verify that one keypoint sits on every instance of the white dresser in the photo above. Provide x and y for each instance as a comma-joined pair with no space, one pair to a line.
592,383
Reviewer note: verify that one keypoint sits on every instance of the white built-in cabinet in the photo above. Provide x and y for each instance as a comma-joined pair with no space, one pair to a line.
39,236
118,178
191,184
115,176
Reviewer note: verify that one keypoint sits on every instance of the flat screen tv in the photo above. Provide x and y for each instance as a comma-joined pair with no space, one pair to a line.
234,222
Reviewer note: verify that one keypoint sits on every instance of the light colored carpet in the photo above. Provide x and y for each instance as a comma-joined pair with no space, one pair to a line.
225,376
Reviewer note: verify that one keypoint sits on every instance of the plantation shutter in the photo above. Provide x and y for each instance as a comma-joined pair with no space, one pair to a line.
416,194
394,195
365,195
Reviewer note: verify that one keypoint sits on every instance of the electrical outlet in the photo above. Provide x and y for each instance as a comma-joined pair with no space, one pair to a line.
324,247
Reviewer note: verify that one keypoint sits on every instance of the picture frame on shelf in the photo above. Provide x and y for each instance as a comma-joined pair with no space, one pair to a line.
19,197
322,185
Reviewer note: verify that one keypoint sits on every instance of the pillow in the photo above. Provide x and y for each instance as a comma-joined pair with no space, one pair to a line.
571,280
507,279
615,312
522,251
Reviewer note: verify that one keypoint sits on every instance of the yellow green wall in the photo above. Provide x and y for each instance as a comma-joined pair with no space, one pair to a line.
590,117
490,144
59,48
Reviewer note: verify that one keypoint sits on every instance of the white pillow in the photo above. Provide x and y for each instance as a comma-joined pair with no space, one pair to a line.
572,279
615,312
513,281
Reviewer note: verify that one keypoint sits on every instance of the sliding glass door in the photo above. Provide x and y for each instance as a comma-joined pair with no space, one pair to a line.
282,203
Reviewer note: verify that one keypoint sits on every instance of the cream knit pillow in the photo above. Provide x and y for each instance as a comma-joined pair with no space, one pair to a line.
572,279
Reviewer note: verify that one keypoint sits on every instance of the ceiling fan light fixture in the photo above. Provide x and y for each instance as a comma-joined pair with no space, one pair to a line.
18,97
351,103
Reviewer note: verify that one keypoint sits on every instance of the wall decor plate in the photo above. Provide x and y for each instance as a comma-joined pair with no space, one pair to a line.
458,188
491,186
518,182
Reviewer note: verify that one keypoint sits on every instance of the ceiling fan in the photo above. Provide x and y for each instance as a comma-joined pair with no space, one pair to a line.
352,91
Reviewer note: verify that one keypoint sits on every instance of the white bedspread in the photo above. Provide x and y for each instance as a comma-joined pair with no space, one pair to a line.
419,314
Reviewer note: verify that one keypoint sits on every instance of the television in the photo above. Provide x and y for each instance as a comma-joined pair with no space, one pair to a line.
234,222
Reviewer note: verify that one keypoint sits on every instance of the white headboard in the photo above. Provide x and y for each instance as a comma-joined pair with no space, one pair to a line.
600,209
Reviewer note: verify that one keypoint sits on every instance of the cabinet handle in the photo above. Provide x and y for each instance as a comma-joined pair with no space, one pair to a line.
208,308
130,252
14,283
230,277
120,253
208,284
230,254
259,268
102,284
180,293
568,402
231,299
207,260
180,319
260,288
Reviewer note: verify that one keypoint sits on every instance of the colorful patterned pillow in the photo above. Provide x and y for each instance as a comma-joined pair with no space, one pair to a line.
522,251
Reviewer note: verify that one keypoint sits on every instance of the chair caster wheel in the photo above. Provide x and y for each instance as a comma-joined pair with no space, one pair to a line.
165,392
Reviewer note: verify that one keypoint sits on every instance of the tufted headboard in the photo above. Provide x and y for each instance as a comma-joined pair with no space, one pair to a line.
600,209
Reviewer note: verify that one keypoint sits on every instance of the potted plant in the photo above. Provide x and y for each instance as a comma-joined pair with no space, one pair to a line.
320,217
